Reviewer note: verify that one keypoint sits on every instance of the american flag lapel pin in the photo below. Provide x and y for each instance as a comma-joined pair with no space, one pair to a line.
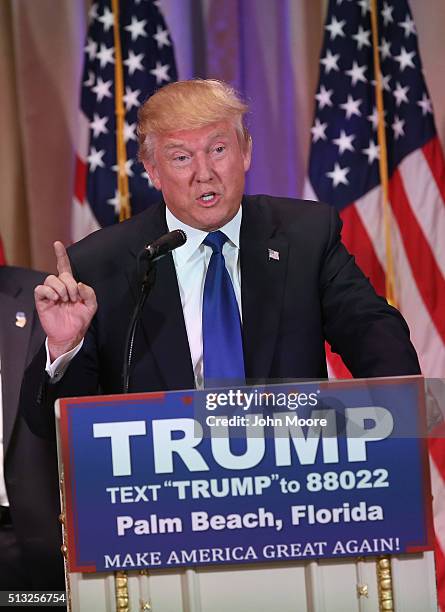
274,255
20,319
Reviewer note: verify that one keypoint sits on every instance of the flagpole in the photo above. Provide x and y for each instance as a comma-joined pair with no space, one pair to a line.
121,152
384,575
120,578
383,159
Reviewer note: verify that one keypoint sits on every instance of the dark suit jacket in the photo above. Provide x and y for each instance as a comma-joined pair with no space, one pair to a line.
290,305
30,463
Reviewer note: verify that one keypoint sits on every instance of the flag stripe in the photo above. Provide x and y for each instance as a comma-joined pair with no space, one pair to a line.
436,161
426,202
80,182
357,241
82,217
424,335
369,211
336,367
437,487
2,254
436,446
427,275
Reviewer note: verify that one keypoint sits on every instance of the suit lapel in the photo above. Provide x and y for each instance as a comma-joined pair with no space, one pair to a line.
14,341
162,318
264,255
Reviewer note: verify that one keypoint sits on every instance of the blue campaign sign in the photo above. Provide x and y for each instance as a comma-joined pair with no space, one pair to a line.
294,471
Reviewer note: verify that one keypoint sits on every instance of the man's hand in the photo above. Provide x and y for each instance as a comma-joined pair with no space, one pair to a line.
65,307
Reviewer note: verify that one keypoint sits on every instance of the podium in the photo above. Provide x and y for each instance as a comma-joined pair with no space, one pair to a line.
302,496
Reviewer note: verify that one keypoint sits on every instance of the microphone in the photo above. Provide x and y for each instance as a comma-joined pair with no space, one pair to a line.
163,245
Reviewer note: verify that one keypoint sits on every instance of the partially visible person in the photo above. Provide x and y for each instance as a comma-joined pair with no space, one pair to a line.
30,534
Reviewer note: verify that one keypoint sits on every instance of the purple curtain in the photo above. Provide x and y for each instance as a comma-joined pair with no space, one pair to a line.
265,50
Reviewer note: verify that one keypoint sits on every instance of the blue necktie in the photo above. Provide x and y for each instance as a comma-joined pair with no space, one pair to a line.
221,324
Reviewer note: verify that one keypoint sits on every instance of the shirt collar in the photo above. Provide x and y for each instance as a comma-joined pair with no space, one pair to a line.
195,236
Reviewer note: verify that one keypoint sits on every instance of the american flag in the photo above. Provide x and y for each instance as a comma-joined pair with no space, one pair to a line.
344,172
148,64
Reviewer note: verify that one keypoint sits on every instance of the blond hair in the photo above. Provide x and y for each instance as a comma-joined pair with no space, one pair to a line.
185,105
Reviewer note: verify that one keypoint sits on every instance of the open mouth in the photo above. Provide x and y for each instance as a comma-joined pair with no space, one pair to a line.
208,197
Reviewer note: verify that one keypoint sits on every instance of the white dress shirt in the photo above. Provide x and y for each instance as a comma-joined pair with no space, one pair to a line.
191,261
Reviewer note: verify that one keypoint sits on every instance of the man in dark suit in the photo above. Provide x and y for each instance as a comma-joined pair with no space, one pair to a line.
30,539
294,283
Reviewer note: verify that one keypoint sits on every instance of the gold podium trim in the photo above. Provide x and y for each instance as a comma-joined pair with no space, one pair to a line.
384,584
121,591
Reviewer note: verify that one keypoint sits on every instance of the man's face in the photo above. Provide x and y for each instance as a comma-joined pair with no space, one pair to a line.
201,174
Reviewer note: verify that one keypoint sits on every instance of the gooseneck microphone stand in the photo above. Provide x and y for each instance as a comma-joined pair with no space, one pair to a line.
147,285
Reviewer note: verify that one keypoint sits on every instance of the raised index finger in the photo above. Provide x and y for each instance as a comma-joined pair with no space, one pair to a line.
62,260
